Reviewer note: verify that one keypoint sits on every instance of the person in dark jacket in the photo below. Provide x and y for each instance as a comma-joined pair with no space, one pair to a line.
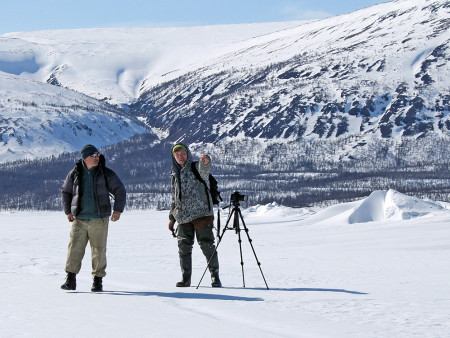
86,202
192,208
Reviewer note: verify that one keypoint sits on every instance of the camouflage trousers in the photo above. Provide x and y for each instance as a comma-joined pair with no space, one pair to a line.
96,233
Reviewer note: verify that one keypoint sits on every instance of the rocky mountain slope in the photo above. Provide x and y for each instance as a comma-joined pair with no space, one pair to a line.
381,72
44,75
41,120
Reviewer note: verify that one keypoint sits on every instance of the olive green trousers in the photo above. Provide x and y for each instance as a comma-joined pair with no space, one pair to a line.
96,233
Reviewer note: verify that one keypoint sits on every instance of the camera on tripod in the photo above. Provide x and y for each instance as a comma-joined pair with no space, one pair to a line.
237,197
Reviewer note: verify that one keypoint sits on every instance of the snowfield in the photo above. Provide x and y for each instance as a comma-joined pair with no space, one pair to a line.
372,268
113,63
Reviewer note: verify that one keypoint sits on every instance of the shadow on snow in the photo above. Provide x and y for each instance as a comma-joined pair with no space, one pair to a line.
301,289
196,295
177,295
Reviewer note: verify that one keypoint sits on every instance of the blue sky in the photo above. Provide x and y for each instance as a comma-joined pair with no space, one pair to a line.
26,15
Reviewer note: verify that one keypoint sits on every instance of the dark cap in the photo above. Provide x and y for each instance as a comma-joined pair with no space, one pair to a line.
88,150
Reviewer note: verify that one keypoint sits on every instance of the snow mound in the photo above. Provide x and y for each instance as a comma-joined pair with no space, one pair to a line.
392,205
381,205
271,211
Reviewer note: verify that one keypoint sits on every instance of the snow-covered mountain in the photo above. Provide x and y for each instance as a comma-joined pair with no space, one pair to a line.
41,120
107,65
112,64
380,72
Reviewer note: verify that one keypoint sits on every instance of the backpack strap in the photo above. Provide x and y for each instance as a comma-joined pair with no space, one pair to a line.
198,177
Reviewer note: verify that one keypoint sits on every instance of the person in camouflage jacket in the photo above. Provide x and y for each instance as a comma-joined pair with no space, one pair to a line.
191,208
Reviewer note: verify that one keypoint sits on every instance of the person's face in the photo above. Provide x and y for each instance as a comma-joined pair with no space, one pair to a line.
180,156
92,160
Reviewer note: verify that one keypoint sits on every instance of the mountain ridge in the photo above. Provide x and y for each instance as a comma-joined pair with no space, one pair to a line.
332,88
111,63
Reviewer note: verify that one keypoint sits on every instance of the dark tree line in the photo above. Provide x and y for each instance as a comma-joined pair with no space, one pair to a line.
296,174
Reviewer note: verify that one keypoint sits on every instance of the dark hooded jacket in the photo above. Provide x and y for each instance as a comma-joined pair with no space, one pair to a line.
190,200
106,181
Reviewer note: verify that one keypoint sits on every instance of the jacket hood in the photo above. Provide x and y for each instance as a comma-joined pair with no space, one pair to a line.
175,166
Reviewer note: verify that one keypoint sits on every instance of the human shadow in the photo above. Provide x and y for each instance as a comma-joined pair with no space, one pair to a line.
180,295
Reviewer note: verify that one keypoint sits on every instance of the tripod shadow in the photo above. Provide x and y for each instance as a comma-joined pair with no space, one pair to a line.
304,290
179,295
323,290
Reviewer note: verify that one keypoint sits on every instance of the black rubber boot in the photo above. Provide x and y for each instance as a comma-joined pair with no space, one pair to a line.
215,280
205,239
214,270
185,242
186,281
97,286
186,270
183,284
71,282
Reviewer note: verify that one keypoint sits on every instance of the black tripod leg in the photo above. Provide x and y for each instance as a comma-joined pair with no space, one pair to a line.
238,231
240,251
253,249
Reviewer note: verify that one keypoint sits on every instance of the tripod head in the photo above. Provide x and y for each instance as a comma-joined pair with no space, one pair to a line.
237,197
235,200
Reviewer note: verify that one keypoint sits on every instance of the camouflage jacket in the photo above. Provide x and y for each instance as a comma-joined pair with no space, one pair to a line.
189,197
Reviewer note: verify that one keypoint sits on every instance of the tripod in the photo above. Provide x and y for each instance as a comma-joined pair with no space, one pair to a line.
236,214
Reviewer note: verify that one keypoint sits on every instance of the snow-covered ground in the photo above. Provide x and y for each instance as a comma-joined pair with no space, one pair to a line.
373,268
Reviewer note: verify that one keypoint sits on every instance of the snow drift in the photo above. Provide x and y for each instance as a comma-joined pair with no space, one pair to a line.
382,205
